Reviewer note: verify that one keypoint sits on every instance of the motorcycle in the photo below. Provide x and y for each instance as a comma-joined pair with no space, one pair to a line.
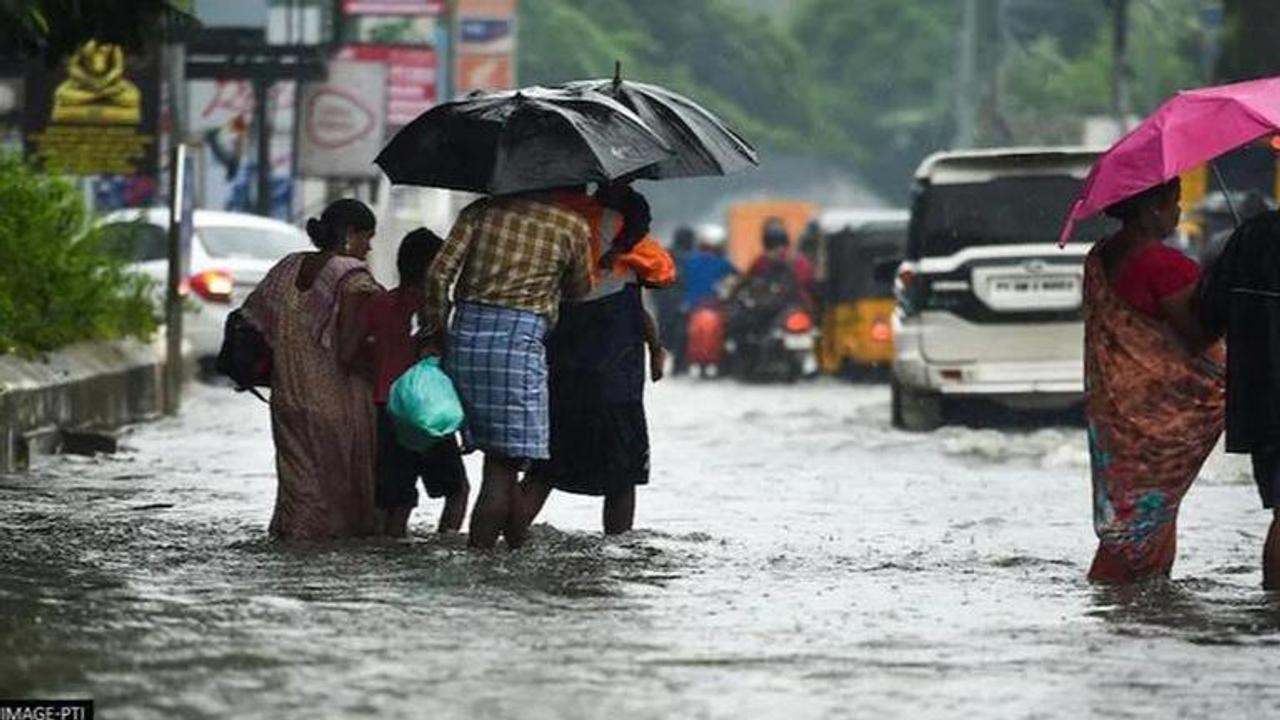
771,332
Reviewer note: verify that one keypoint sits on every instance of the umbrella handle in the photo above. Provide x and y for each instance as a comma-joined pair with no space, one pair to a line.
1226,194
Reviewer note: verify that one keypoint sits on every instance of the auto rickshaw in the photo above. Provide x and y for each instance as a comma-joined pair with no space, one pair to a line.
858,253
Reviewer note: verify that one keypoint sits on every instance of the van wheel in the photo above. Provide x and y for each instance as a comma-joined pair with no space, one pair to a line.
915,411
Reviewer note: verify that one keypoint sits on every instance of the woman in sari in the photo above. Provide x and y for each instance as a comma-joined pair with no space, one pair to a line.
310,310
1155,397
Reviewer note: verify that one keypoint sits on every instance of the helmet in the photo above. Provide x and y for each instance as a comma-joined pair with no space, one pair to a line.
775,234
711,235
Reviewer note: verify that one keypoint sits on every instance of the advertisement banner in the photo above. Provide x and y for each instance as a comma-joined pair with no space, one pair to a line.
486,36
412,84
97,113
343,120
222,119
485,72
393,7
487,8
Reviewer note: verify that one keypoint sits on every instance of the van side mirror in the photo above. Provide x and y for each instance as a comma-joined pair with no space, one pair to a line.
886,271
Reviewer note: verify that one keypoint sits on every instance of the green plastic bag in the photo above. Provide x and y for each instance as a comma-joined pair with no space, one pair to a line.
424,405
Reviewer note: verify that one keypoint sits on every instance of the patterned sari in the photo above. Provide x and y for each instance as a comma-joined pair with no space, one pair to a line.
322,416
1155,412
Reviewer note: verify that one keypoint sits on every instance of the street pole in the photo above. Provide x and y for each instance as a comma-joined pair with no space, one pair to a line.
966,92
448,52
172,397
1120,64
261,122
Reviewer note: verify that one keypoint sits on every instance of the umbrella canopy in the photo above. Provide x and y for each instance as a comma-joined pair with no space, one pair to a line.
703,144
1189,130
522,140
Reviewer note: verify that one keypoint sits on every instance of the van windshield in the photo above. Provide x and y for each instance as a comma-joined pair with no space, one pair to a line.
1005,211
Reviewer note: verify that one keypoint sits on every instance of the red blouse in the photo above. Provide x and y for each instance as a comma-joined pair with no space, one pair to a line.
1152,274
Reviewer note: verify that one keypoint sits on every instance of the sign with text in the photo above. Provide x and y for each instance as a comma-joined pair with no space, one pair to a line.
343,120
412,84
393,7
95,114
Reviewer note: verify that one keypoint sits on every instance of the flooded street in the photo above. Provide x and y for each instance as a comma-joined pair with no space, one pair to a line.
797,558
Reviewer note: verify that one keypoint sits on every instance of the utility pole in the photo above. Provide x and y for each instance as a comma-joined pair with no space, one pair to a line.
1120,106
966,81
262,123
176,57
447,54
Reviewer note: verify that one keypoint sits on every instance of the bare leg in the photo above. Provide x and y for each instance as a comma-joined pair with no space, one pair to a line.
455,508
398,521
1271,555
493,507
619,512
531,496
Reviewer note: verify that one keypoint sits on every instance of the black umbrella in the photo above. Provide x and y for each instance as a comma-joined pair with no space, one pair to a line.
521,140
703,143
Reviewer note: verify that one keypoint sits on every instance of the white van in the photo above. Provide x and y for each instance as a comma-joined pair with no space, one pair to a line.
988,305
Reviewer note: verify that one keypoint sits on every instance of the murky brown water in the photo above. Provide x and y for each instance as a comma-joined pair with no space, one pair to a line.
799,559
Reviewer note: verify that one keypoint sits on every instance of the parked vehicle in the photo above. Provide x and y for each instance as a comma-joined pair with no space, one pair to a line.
230,254
857,257
988,305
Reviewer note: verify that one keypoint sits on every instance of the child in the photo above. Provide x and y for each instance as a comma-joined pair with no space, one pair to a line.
394,350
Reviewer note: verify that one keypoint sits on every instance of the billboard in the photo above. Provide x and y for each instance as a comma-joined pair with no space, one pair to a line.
97,113
486,45
393,7
221,118
412,85
342,121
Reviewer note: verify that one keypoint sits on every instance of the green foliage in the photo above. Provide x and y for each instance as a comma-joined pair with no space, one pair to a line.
740,65
56,28
58,285
1249,42
872,83
887,70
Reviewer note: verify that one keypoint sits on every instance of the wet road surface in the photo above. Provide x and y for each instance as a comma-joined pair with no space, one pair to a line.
797,558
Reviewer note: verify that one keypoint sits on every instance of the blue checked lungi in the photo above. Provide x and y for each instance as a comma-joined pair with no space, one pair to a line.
498,362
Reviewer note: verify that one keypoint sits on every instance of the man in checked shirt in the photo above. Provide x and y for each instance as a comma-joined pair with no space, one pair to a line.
511,261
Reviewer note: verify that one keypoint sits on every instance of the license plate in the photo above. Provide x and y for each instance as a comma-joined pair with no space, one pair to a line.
797,342
1049,290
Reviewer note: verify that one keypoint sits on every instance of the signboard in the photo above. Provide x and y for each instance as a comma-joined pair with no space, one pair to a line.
393,7
221,118
412,78
395,30
485,72
486,36
95,114
342,121
486,42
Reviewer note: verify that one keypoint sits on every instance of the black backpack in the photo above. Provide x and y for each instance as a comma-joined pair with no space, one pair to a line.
245,356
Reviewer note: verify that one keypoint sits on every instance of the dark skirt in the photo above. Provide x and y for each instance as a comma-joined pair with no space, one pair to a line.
599,435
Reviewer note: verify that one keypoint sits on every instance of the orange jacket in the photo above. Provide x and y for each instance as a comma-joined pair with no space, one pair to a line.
652,264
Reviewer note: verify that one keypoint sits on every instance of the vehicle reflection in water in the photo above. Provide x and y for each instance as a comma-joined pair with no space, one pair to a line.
807,560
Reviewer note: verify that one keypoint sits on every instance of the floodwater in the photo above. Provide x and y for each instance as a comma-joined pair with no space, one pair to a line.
797,558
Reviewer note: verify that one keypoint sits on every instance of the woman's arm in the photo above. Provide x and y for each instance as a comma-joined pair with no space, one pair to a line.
1179,311
657,355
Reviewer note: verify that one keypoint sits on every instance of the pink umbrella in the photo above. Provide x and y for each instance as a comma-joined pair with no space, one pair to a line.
1190,129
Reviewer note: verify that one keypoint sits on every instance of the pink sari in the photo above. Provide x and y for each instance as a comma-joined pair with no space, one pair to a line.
1155,413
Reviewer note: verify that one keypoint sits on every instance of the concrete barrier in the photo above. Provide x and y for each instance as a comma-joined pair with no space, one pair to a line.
80,394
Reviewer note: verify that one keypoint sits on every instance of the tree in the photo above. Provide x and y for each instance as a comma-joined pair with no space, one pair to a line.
1250,29
56,28
886,70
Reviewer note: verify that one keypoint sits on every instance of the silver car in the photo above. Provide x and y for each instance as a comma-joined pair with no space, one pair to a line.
230,254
